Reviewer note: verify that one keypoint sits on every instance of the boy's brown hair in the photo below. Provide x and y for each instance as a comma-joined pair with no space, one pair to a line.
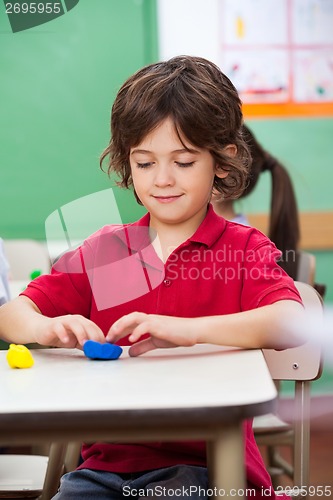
203,104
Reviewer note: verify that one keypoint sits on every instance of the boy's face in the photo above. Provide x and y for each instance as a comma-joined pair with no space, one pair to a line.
173,183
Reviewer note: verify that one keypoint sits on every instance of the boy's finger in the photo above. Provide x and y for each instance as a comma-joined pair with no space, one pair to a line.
141,347
94,332
84,329
126,325
127,322
140,330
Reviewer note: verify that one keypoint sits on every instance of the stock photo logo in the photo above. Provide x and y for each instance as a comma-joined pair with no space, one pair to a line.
118,259
24,15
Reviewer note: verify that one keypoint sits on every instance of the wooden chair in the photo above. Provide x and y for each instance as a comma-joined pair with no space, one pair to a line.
300,365
37,476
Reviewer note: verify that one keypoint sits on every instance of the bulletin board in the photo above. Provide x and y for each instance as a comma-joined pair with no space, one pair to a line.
279,55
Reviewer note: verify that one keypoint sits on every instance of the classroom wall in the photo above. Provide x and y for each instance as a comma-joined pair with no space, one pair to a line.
58,81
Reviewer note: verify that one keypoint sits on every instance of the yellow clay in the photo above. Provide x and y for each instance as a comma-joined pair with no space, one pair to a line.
19,356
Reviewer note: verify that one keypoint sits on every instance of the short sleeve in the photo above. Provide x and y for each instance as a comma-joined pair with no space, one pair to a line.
264,281
66,290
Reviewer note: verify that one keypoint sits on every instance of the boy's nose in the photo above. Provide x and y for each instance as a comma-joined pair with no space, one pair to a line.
164,176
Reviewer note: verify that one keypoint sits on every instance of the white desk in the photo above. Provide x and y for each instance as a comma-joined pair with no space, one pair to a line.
202,392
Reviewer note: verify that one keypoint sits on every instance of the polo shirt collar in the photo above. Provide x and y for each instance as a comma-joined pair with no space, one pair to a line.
210,228
207,233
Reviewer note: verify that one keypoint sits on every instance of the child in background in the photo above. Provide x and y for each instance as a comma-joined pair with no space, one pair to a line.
176,134
284,228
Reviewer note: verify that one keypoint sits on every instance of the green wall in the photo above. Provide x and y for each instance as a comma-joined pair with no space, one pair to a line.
304,147
57,85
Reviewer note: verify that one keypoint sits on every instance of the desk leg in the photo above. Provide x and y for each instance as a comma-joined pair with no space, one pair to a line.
225,461
54,470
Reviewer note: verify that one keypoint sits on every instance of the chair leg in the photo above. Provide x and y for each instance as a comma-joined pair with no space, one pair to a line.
283,465
302,435
278,466
273,471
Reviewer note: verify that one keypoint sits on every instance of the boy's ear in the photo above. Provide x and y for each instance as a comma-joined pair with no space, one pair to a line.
230,150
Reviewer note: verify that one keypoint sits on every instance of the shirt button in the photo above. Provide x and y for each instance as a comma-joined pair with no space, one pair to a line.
167,282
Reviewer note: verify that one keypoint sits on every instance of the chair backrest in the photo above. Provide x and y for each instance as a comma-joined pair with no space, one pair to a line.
26,256
303,362
306,267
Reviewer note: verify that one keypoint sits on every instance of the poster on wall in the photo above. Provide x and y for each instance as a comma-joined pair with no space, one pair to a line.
279,54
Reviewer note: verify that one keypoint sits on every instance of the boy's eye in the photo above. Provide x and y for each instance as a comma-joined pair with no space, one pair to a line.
144,165
178,163
189,164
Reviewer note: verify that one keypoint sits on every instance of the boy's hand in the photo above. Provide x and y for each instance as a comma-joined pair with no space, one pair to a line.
164,331
67,331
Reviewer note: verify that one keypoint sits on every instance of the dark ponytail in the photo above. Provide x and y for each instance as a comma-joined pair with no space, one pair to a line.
283,222
284,228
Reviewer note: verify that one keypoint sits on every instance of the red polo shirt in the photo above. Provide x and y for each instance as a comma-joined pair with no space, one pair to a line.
223,268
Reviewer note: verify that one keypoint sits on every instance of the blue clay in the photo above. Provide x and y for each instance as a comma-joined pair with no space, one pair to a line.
96,350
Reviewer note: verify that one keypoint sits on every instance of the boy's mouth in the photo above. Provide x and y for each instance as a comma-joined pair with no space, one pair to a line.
167,199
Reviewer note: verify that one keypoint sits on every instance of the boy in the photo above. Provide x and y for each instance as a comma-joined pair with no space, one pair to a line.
176,135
